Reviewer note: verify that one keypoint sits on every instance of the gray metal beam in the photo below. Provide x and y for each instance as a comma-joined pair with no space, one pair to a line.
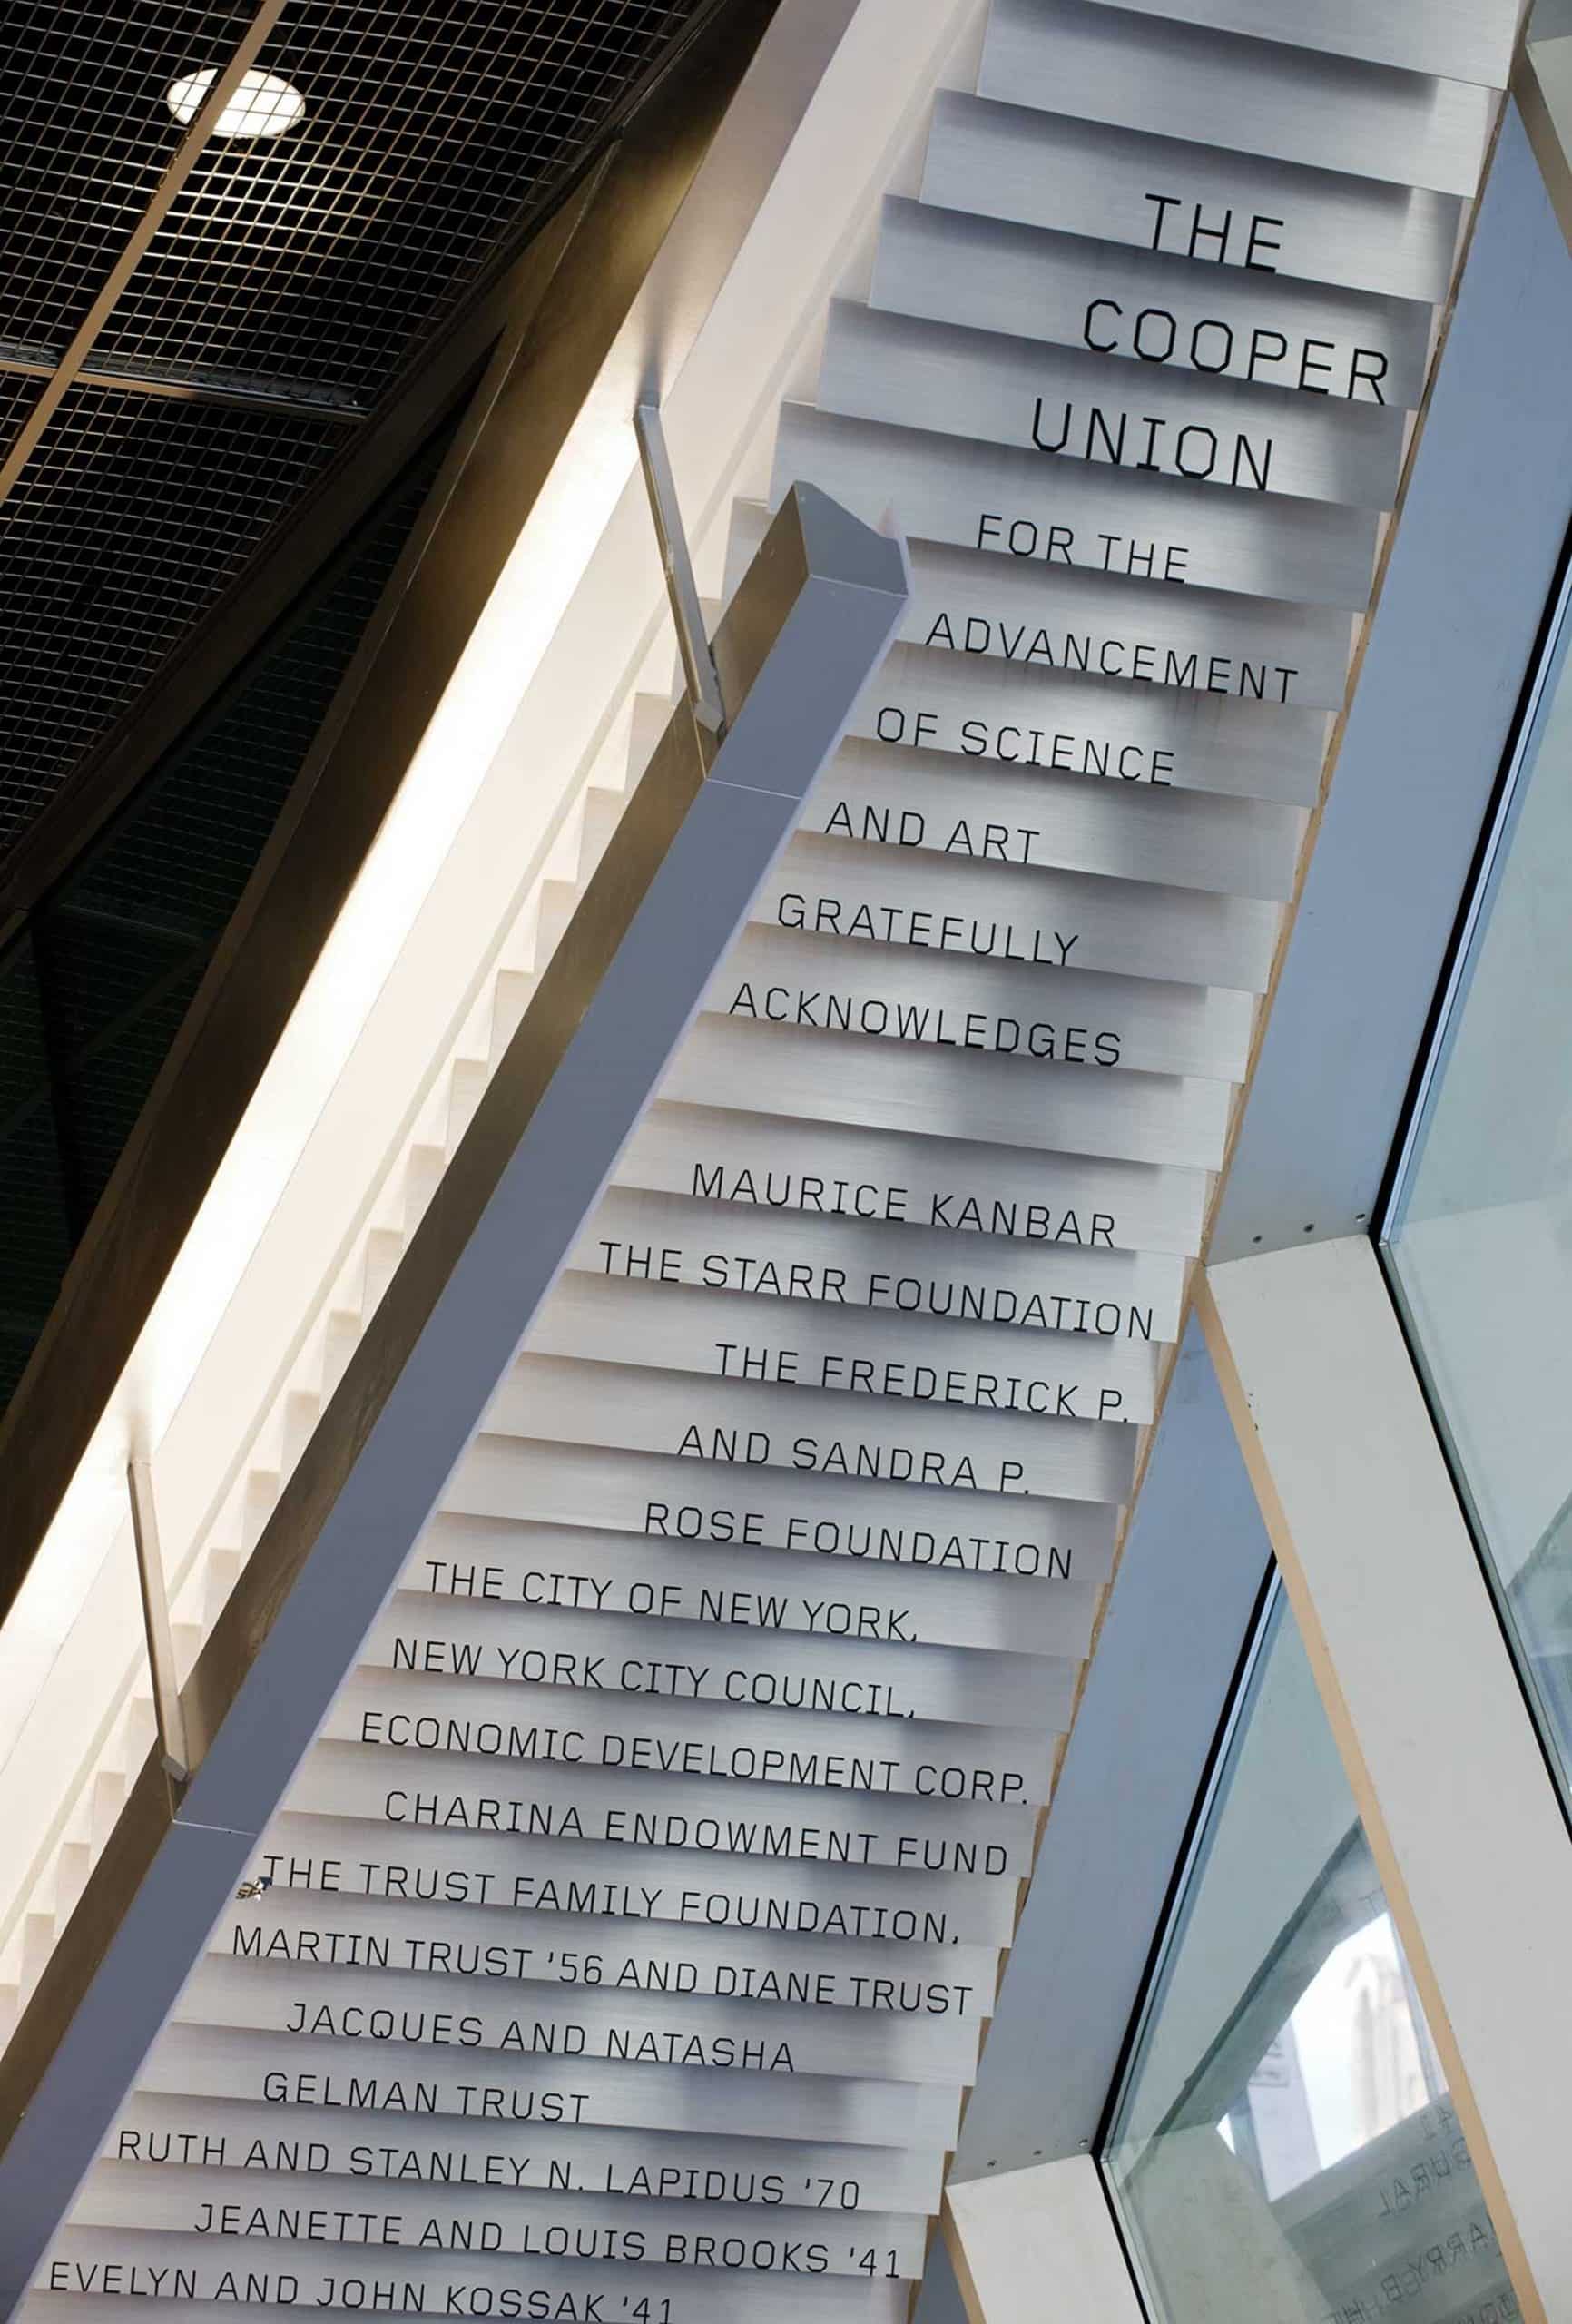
1191,1575
1471,569
808,625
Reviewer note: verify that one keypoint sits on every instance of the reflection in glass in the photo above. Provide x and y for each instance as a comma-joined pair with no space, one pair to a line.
1480,1242
1284,2150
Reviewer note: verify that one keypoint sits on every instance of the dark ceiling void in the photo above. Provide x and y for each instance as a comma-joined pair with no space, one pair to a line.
92,993
286,288
128,520
289,286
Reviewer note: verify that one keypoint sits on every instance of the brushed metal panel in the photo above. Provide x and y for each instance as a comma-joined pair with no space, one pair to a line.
324,1847
1184,80
916,1527
893,1084
356,2143
1129,633
898,790
1135,1295
173,2200
1108,1023
367,1938
691,1757
1117,731
675,1327
1173,641
271,1997
1119,928
1090,517
1066,402
872,1437
689,1663
84,2257
348,2142
863,1170
675,881
422,2084
680,1582
953,905
1155,308
1461,40
1008,161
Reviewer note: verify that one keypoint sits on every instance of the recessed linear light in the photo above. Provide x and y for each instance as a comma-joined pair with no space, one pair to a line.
260,105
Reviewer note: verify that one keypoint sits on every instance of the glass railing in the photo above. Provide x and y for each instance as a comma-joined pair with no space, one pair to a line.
1283,2145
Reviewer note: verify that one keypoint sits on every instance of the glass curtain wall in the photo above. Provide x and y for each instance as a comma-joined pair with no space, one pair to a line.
1479,1239
1283,2147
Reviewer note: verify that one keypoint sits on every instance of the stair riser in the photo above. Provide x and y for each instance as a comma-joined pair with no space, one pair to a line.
1067,406
599,2091
1065,1109
781,1788
1032,847
531,1565
1289,104
1148,307
769,1161
912,1528
1472,42
1082,516
343,2142
1163,641
1043,1006
169,2199
1002,159
263,1997
864,1264
894,1904
196,2271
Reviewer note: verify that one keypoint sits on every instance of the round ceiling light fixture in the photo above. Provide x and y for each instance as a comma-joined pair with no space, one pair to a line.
260,104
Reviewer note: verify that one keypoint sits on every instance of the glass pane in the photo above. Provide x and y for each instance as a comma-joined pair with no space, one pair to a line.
1284,2149
1480,1245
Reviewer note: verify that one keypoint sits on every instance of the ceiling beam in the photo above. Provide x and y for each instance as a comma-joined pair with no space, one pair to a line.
18,363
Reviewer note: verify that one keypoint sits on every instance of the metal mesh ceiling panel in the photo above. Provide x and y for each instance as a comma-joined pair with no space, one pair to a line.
86,134
33,1212
130,517
319,256
92,998
16,398
310,266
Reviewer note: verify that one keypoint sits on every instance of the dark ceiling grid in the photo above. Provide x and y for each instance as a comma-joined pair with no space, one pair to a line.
130,517
17,397
428,124
93,995
310,266
86,135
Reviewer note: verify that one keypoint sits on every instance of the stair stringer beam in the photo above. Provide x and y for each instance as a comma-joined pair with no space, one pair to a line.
820,606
